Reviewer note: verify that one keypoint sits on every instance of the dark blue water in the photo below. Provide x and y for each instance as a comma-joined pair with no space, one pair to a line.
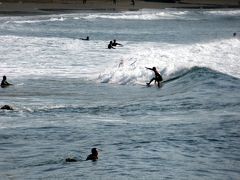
189,128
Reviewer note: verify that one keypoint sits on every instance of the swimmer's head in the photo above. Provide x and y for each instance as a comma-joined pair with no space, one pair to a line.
154,68
94,151
4,77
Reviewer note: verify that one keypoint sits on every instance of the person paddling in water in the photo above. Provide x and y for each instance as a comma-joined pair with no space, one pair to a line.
110,45
4,82
85,39
157,78
93,156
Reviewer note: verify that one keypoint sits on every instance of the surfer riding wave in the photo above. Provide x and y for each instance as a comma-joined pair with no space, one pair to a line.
157,78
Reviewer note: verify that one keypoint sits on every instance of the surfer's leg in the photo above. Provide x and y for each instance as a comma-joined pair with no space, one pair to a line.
150,81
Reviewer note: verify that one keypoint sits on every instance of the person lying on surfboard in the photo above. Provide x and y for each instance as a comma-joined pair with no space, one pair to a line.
157,78
85,39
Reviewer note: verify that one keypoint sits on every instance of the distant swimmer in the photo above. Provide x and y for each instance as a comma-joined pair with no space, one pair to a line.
110,45
4,82
115,43
6,107
234,34
85,39
157,78
93,156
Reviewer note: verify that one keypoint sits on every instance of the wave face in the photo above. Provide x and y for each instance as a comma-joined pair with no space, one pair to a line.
196,83
196,89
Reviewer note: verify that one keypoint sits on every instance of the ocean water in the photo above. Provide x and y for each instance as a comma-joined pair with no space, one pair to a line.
71,95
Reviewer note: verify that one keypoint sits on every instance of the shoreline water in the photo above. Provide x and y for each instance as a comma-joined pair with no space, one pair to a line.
32,8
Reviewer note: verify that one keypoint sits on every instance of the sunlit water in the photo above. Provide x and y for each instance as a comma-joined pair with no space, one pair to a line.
71,95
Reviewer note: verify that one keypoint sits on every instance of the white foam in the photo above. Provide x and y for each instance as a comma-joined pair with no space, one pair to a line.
32,19
227,12
28,56
145,14
169,59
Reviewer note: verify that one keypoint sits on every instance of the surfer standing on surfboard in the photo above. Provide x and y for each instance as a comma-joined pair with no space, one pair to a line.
157,78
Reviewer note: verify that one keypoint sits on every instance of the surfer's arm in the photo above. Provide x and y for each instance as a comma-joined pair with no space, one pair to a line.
7,83
148,68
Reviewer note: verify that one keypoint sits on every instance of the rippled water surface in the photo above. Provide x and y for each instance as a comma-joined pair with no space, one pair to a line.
71,95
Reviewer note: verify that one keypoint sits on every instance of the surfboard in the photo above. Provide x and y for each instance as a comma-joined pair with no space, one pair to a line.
151,85
164,81
161,83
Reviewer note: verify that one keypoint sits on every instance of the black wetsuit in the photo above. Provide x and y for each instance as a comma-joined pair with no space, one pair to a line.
4,83
110,46
92,157
115,44
158,78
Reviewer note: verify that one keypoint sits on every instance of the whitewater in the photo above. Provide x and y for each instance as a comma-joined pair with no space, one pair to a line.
70,95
